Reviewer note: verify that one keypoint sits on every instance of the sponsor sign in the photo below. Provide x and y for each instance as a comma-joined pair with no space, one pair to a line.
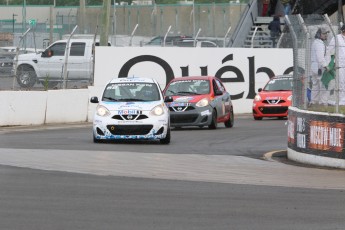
128,112
241,70
320,135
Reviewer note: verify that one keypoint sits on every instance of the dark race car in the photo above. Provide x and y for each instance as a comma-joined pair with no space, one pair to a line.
199,101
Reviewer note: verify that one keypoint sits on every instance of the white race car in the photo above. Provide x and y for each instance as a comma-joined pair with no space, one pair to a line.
131,108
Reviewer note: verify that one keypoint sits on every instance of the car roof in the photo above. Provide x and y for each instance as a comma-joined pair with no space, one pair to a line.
133,79
86,40
282,76
194,78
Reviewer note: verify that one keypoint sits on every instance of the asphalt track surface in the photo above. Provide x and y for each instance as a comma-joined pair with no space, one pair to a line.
54,177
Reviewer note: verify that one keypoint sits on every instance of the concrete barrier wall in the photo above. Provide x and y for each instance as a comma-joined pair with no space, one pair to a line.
93,91
52,106
43,107
22,108
316,138
65,106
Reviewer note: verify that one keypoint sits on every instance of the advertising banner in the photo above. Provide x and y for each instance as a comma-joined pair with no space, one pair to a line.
241,70
317,134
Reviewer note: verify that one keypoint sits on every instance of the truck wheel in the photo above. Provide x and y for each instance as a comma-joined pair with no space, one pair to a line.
26,76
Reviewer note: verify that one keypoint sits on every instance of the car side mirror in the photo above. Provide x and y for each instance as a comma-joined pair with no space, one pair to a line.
94,100
259,90
218,92
47,53
168,99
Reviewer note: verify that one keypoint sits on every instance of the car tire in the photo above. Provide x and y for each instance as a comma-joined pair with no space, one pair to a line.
26,76
213,124
258,118
167,138
230,123
95,140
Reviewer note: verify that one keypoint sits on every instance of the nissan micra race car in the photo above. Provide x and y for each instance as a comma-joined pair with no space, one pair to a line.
131,108
199,101
274,99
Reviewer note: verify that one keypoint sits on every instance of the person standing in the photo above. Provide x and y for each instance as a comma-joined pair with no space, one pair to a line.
331,50
318,66
287,6
265,5
275,30
272,7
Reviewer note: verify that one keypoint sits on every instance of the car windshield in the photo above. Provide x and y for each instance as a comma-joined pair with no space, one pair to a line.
188,87
279,84
131,91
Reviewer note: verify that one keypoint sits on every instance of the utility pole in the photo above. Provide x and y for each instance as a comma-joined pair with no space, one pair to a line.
82,16
340,12
13,21
51,25
105,23
24,17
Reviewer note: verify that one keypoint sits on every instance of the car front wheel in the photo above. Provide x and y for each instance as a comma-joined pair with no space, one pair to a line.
230,123
26,76
166,140
95,140
213,124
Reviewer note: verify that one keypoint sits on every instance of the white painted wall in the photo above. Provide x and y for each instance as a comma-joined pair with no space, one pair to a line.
110,60
94,91
22,107
64,106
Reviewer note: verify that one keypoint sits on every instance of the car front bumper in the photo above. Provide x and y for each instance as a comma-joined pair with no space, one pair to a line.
263,110
194,116
146,129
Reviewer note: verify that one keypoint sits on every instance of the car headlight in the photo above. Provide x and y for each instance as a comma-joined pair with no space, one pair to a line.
289,98
202,103
102,111
257,98
157,111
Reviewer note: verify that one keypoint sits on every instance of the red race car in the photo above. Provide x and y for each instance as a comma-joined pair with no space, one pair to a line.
199,101
274,99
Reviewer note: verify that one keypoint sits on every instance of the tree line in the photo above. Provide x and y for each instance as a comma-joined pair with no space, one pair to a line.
94,2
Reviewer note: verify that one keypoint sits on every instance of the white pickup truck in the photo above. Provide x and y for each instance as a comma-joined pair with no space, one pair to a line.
47,67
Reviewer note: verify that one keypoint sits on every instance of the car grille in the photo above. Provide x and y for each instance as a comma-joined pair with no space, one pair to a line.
130,117
181,108
189,118
274,110
277,101
129,129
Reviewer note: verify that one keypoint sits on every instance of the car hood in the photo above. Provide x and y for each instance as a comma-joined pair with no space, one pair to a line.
147,105
28,56
190,98
275,95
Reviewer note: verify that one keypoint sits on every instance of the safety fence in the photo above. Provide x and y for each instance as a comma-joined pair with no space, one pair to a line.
319,74
213,20
130,25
